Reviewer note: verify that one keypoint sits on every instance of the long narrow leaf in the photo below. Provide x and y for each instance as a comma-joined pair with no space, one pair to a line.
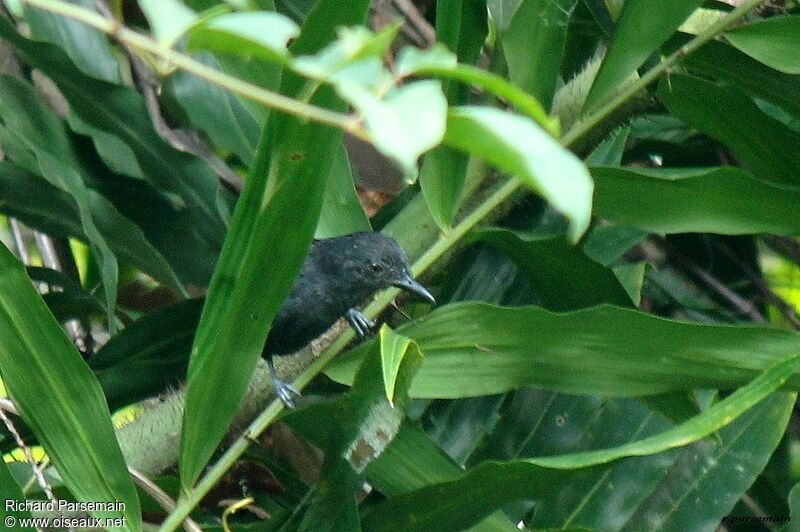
59,398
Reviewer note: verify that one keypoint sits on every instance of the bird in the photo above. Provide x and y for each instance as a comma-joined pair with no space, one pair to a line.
338,274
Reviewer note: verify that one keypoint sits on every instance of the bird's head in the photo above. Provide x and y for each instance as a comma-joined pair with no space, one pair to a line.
377,262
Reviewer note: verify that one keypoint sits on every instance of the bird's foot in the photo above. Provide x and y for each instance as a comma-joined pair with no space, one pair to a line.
360,322
286,392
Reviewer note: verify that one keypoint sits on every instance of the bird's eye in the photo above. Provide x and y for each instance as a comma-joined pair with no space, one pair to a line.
376,266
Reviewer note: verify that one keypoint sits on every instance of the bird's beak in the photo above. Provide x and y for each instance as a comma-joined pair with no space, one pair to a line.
408,284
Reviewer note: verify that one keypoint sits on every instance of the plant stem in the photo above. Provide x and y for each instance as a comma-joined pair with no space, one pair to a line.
140,42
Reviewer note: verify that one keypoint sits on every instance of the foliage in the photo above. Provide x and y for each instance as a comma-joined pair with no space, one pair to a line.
602,195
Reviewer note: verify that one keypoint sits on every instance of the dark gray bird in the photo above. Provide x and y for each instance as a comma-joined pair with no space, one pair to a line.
338,274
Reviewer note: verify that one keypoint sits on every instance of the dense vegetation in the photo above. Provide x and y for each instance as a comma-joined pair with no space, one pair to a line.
603,196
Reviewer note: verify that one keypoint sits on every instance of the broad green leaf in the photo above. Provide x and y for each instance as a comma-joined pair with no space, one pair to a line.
606,244
169,19
474,349
217,112
533,45
88,48
518,146
147,357
43,133
773,41
48,208
396,351
709,477
562,276
716,59
722,200
341,213
184,223
643,26
291,169
407,122
441,178
763,144
462,27
539,423
263,34
491,484
58,397
354,57
459,427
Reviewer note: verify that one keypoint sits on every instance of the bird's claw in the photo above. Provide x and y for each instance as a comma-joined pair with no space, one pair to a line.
286,392
360,322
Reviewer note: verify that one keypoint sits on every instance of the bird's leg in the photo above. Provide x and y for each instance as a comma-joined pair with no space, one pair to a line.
359,322
283,389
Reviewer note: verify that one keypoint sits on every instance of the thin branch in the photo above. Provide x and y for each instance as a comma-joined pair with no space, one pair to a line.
786,246
48,491
19,241
417,21
742,305
161,497
787,310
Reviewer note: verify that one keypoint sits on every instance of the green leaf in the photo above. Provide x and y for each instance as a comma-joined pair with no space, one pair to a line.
148,356
59,398
563,277
216,112
539,423
491,484
716,59
169,19
439,62
518,146
763,144
291,169
717,473
533,45
43,133
10,491
88,48
407,122
723,200
50,209
342,213
643,26
773,41
263,34
441,178
461,27
604,350
184,190
396,350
